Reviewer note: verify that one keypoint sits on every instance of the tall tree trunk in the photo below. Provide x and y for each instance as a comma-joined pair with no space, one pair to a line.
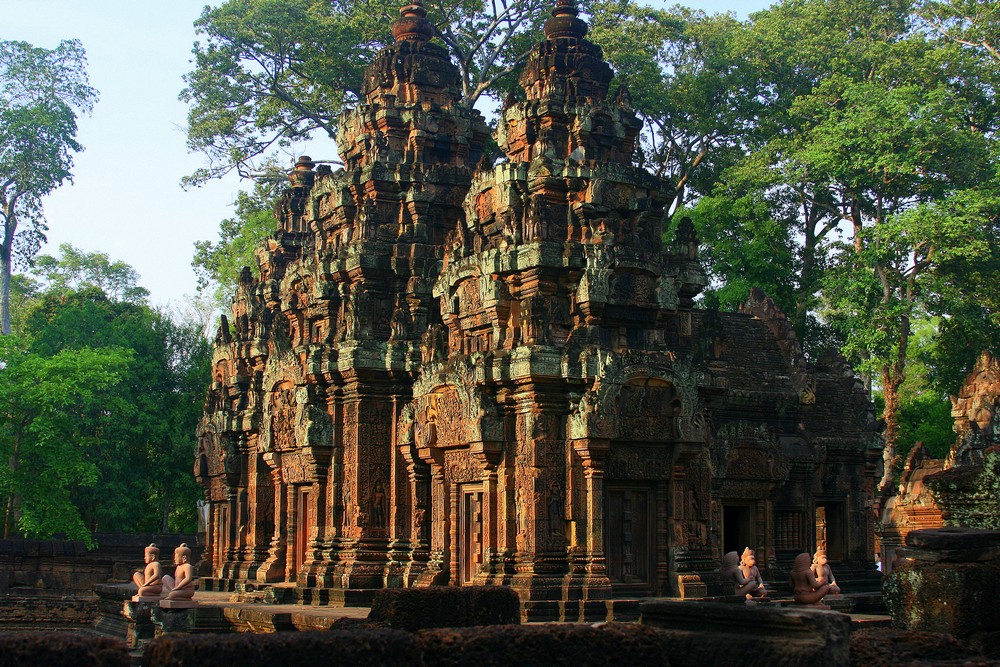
806,281
892,379
890,392
5,288
14,499
6,248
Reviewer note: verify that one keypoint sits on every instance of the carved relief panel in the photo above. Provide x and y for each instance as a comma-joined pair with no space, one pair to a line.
648,410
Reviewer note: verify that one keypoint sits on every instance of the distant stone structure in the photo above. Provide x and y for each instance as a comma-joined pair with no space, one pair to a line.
962,489
458,371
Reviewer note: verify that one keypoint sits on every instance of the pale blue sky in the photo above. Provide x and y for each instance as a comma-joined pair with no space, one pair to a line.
126,199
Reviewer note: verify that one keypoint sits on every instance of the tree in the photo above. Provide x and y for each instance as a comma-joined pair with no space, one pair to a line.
41,92
744,247
971,23
75,270
132,439
271,72
44,400
141,441
218,264
697,99
867,131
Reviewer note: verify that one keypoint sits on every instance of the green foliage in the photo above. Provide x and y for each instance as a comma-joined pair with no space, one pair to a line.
271,72
974,24
132,436
744,247
40,93
75,270
46,403
875,148
143,438
218,264
927,419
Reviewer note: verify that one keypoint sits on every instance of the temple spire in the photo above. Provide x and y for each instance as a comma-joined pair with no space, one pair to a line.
412,24
565,21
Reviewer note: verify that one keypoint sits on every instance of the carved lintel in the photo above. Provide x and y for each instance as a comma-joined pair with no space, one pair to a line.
489,452
593,451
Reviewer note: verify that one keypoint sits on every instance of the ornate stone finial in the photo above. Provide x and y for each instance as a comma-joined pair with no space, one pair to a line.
302,174
412,24
564,21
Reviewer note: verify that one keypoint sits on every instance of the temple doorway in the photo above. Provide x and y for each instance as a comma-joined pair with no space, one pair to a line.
628,535
737,528
470,534
303,527
830,530
221,536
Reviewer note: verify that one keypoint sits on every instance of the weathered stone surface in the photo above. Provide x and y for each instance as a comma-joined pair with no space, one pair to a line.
445,607
356,647
882,647
956,598
976,410
61,649
41,609
555,645
912,507
61,567
459,368
712,633
968,493
961,490
954,539
173,619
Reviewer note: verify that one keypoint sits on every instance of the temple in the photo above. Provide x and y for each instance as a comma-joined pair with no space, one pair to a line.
459,370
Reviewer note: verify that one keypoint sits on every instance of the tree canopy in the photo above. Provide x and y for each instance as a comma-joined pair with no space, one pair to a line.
99,398
41,92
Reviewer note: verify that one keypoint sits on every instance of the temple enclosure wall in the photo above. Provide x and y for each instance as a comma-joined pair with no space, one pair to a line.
64,566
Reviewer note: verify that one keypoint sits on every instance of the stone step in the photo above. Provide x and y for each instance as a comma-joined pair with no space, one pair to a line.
620,610
216,585
254,593
335,597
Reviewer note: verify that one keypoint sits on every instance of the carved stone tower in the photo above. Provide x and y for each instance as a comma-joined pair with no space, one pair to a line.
330,335
564,316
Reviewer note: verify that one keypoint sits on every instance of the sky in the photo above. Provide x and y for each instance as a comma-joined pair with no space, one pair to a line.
126,199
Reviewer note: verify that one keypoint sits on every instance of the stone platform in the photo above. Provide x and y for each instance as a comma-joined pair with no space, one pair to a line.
714,633
215,612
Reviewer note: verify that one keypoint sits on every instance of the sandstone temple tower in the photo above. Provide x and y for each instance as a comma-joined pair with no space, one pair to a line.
457,372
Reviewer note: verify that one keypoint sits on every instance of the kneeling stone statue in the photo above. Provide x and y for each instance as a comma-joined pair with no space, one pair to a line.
178,590
150,579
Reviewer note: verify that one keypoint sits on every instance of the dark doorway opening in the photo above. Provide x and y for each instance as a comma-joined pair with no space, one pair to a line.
737,528
303,529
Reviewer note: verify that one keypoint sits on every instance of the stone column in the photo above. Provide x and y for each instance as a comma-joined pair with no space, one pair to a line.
273,567
438,563
593,455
